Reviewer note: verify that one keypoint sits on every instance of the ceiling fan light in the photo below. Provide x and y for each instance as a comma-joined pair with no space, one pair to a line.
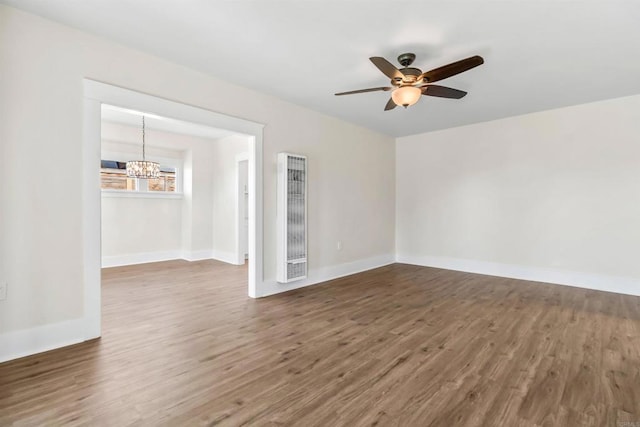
406,95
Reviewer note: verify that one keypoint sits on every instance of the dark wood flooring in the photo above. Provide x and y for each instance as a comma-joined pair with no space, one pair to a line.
397,346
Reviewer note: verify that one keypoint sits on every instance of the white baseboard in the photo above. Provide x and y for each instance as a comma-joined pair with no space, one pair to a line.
140,258
146,257
228,257
620,285
197,255
324,274
26,342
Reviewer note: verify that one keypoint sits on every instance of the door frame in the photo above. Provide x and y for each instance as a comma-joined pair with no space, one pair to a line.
244,157
96,94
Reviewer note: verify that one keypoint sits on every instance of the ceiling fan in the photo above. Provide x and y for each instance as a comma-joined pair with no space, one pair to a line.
408,83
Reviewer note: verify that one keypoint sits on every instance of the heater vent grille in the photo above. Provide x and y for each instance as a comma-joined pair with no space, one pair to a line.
292,217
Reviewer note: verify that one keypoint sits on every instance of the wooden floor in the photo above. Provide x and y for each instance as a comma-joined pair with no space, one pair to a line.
400,345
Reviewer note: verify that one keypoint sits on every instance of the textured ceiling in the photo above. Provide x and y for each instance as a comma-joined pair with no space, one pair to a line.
539,54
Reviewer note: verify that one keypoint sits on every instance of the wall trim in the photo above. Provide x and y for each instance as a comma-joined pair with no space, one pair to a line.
228,257
324,274
196,255
617,284
147,257
124,194
139,258
25,342
239,218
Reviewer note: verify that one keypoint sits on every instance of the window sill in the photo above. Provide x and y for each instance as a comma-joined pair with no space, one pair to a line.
140,194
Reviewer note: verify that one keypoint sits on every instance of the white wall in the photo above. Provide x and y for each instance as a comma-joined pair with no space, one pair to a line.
224,169
351,193
130,234
137,230
551,196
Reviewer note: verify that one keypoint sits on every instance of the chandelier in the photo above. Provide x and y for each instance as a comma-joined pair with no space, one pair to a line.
143,169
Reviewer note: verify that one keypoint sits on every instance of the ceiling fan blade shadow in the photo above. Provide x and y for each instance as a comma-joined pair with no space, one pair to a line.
452,69
390,105
387,68
443,92
373,89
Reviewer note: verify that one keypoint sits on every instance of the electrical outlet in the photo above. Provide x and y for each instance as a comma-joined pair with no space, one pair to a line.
339,245
3,290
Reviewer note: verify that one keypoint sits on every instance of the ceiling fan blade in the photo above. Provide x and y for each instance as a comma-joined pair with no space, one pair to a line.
390,105
452,69
387,68
443,92
373,89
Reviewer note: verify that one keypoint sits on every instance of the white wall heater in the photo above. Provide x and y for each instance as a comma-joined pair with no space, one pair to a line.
292,217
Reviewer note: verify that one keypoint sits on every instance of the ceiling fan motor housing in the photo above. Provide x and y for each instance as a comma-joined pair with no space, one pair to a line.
406,59
412,75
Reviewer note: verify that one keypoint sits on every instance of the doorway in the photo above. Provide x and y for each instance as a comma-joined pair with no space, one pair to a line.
96,94
242,209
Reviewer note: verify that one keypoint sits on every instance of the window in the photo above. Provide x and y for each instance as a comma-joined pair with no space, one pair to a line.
113,176
165,182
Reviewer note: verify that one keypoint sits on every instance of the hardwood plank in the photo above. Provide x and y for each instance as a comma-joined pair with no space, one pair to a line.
400,345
